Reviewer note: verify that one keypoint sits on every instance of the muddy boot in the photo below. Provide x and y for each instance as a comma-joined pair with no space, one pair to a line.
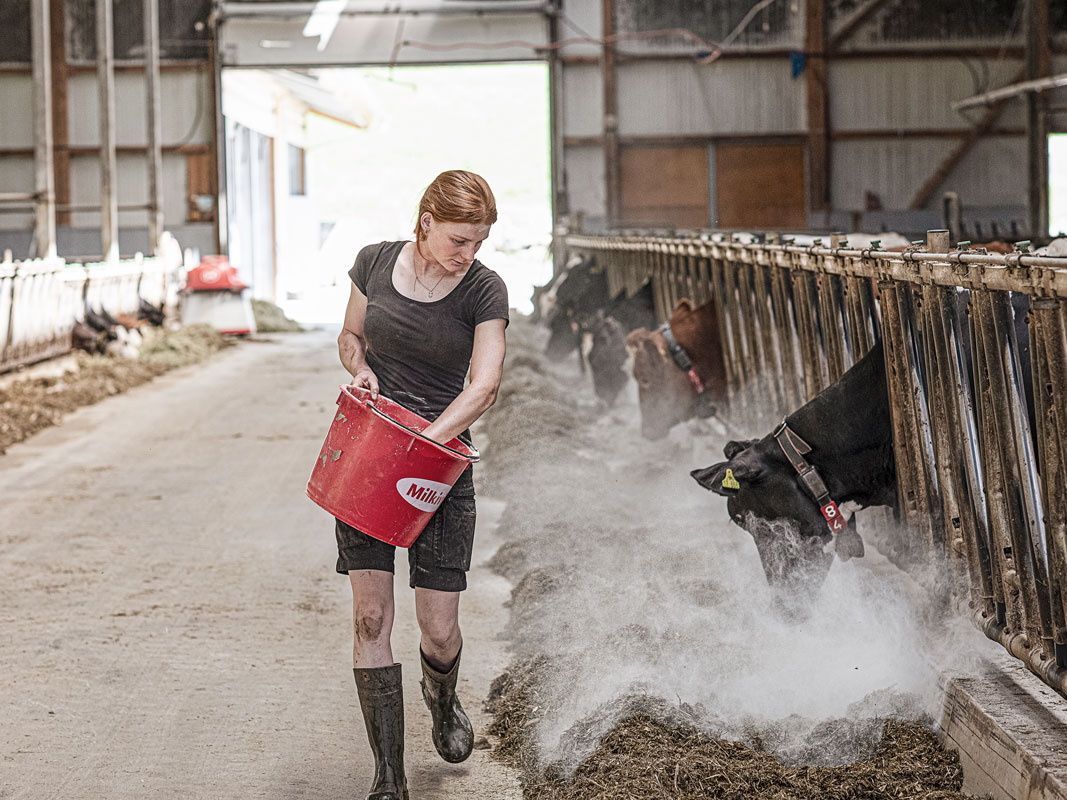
453,735
381,696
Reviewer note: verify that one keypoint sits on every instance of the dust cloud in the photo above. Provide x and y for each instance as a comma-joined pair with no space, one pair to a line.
630,581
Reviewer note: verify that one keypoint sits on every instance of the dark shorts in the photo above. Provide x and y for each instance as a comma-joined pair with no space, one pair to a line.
441,555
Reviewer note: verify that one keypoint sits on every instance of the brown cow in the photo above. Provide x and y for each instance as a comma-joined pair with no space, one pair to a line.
674,387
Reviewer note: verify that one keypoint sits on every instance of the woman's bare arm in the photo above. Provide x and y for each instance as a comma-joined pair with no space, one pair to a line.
352,345
487,364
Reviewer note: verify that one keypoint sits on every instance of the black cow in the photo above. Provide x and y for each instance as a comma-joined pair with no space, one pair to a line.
848,429
608,355
582,291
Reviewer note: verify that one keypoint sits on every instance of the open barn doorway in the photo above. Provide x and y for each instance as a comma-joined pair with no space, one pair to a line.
323,161
1057,184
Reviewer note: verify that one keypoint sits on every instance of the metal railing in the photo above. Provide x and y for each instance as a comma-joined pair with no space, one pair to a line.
41,299
977,480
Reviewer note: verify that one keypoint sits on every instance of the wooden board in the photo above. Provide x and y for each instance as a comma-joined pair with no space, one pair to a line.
760,186
1011,733
665,186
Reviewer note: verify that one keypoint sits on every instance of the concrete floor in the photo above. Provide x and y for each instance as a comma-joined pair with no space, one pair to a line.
171,621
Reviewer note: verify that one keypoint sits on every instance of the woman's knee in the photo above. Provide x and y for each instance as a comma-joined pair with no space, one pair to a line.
441,634
371,622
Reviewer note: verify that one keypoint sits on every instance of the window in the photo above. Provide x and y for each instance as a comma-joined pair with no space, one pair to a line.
297,171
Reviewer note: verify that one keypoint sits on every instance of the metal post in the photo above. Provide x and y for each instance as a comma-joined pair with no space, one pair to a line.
808,333
1048,356
105,75
1038,65
771,365
1021,568
952,215
833,332
44,177
222,231
741,353
753,346
724,303
781,305
153,124
910,435
612,177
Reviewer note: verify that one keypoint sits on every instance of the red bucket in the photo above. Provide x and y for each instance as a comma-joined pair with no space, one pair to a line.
377,472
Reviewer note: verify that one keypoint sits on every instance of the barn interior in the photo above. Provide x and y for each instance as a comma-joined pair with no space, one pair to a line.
716,218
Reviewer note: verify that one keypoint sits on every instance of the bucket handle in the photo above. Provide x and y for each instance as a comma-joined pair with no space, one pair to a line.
367,401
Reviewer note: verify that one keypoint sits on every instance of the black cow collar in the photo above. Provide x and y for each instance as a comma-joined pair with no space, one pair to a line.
681,358
794,449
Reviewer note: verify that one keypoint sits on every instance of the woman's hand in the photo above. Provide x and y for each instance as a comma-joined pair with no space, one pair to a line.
366,379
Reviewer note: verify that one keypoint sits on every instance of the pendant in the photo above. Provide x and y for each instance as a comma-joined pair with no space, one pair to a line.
430,293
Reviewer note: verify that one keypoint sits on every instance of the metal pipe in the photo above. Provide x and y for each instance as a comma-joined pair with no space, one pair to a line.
1015,89
268,10
43,141
105,72
153,124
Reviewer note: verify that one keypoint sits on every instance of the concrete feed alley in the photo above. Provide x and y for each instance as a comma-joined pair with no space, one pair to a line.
172,622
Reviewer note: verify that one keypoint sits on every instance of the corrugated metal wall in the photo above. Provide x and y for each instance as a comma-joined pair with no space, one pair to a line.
187,121
890,117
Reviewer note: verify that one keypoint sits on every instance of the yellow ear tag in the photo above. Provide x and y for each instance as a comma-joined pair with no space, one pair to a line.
730,482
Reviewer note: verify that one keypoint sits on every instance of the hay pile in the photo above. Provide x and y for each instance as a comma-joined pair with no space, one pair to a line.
271,319
30,405
547,456
656,750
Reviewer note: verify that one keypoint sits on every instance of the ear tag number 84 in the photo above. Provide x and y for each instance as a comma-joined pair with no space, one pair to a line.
729,481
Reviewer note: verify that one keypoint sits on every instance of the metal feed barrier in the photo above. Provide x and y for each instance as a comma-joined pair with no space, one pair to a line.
41,299
974,480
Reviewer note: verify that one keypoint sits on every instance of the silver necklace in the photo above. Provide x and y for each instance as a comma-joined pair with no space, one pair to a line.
429,289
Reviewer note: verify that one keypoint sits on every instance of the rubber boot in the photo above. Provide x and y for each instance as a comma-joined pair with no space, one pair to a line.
381,696
453,735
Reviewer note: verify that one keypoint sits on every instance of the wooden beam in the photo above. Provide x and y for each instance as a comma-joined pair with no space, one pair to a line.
920,133
817,105
689,140
926,191
612,168
60,120
1038,65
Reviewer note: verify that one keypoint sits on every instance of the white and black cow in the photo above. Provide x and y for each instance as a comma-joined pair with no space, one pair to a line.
830,458
845,435
583,310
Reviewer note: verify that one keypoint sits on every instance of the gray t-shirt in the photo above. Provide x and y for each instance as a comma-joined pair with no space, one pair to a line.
421,352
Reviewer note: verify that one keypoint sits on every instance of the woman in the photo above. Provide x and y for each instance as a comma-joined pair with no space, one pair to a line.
420,314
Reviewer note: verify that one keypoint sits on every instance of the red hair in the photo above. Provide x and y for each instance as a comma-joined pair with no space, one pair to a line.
457,196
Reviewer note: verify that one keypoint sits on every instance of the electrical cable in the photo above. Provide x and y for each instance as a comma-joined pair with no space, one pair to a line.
710,51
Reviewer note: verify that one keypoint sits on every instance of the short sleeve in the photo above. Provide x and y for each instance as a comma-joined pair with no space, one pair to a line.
491,299
365,259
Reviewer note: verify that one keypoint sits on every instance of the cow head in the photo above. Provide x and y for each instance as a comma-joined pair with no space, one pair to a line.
666,396
764,498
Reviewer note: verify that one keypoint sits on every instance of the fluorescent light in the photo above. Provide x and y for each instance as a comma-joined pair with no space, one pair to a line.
323,20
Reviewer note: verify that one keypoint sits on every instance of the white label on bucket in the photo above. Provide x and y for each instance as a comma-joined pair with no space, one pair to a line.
423,494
